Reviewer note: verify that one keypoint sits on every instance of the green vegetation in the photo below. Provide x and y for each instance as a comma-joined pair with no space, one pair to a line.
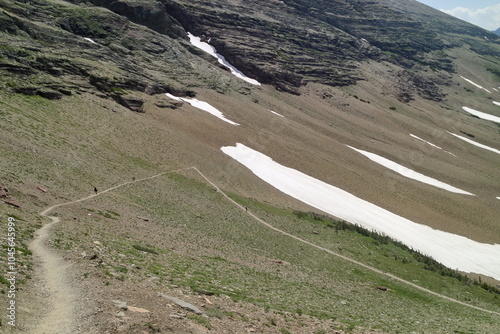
495,71
4,281
379,239
200,319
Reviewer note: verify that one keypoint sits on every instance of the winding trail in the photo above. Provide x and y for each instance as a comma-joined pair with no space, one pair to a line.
63,296
62,315
56,284
378,271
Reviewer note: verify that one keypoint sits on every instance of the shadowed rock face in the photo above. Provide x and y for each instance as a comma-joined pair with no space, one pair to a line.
289,43
284,43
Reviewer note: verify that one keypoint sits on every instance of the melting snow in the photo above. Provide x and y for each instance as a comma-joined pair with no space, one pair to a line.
196,41
482,115
89,40
452,250
411,174
475,84
497,103
274,112
203,106
431,144
475,143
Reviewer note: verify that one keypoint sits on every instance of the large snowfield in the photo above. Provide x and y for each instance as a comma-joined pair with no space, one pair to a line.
411,174
452,250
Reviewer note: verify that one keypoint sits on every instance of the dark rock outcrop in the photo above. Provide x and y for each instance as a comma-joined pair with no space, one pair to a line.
153,15
131,102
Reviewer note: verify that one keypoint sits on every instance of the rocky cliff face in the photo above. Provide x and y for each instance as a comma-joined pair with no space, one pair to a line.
292,42
284,43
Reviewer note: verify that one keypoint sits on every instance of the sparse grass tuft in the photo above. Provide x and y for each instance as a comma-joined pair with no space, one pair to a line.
200,319
145,249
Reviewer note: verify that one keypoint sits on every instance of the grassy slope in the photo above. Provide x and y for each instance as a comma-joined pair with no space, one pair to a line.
205,244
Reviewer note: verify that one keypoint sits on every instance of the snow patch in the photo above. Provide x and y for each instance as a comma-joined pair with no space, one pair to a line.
475,84
90,40
409,173
203,106
475,143
196,41
431,144
274,112
452,250
482,115
497,103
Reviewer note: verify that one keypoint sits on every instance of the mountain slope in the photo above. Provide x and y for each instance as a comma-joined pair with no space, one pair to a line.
83,105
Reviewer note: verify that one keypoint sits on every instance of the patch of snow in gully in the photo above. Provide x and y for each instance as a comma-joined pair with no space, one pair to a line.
203,106
475,143
431,144
452,250
475,84
482,115
497,103
196,41
411,174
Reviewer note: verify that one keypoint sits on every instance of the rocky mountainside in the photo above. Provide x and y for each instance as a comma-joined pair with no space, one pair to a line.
283,43
116,125
289,43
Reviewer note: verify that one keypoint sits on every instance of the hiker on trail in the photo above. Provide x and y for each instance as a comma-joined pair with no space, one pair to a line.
95,190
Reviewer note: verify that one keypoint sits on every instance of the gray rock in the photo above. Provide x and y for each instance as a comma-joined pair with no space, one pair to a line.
121,305
183,304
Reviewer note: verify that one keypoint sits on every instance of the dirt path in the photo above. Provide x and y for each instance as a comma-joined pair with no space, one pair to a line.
64,298
62,314
56,284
